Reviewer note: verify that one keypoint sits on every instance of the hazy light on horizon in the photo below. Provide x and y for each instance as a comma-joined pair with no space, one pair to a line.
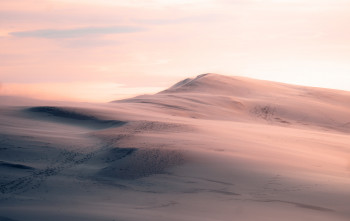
48,45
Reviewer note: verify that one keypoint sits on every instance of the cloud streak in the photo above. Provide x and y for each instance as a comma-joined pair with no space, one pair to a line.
77,32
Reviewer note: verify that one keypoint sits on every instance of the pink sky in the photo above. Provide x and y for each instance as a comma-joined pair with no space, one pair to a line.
101,50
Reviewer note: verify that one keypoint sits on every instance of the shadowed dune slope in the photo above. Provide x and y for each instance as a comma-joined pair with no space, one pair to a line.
142,163
77,116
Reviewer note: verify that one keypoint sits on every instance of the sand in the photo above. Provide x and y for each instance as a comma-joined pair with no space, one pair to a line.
212,147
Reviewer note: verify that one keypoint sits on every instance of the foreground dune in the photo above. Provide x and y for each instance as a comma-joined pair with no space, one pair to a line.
209,148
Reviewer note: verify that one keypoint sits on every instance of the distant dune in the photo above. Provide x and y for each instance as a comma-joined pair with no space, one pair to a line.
214,96
212,147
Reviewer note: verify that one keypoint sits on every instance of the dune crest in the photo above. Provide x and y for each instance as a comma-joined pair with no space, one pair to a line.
72,116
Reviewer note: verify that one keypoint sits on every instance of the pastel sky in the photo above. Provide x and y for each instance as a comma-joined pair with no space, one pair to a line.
102,50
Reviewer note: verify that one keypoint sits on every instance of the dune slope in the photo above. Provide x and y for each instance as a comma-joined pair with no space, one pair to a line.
211,147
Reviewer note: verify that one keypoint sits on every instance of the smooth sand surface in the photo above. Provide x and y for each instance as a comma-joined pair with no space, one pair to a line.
209,148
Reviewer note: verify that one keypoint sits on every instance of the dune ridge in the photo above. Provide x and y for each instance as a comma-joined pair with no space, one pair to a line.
70,115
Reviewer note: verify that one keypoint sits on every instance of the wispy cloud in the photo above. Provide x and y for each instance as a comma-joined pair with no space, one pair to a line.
77,32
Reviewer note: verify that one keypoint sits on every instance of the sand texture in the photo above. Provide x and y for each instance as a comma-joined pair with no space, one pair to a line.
208,148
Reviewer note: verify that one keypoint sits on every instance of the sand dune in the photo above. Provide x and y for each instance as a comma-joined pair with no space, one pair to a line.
213,96
211,147
72,116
